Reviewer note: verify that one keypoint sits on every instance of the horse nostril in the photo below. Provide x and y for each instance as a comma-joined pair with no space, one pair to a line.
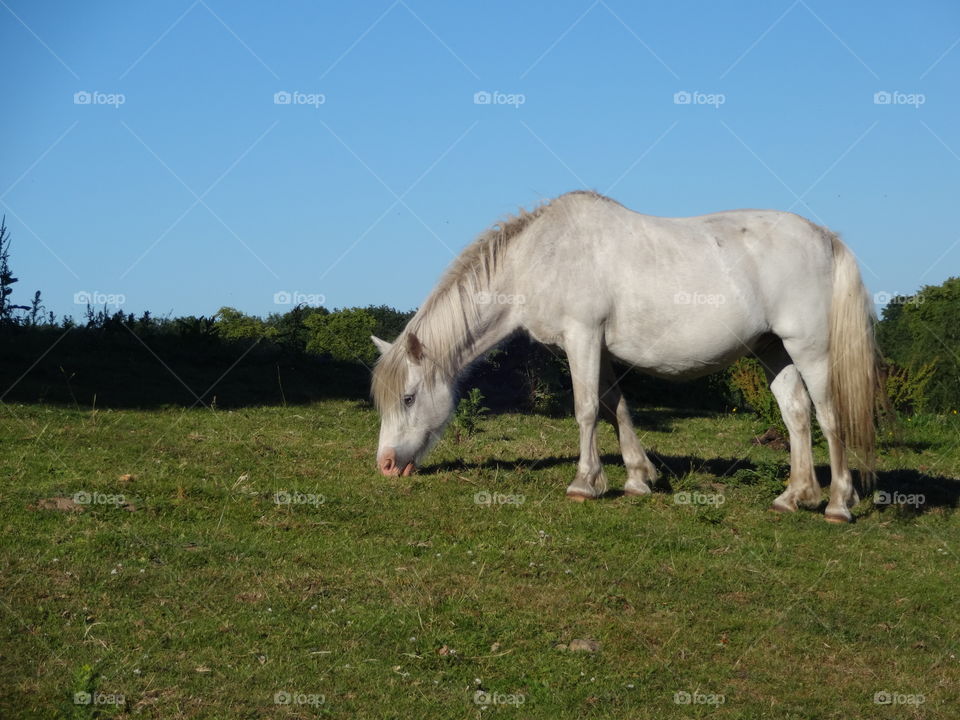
388,464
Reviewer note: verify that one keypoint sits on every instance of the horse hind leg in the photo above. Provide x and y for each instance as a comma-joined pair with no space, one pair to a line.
815,371
641,474
794,403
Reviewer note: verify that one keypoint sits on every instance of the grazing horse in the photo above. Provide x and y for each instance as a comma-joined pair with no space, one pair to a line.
672,297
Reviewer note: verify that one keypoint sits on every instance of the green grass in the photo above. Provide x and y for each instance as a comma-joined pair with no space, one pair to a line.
399,598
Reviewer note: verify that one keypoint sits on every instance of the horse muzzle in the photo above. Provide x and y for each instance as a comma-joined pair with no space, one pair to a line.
388,466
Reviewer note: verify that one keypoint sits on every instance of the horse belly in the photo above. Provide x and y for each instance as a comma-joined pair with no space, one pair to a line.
689,345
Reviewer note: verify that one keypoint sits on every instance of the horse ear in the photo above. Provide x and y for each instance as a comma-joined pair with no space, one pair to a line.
414,347
382,345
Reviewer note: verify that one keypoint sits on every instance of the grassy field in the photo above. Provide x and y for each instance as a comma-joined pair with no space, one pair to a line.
181,588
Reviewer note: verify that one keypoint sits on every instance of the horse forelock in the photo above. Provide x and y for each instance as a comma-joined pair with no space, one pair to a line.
389,377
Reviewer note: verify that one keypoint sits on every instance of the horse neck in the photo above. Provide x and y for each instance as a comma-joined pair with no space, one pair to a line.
497,324
486,319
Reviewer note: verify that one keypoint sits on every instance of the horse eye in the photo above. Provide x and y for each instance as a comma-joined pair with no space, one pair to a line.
408,400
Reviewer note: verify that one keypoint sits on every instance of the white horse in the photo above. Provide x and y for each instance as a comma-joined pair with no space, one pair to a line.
672,297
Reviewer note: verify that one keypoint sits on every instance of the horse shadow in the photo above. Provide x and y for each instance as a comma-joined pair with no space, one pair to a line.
908,491
668,466
913,492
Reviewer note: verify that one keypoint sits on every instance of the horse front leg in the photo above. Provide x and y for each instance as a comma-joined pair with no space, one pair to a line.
583,353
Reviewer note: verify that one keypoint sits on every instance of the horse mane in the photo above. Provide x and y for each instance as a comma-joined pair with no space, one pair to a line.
448,321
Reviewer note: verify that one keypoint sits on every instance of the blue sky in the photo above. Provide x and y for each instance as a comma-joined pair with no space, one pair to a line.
179,185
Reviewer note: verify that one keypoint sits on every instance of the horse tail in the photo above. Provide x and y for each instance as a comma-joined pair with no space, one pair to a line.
854,361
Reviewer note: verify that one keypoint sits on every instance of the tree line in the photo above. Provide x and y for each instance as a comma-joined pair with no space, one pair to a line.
231,358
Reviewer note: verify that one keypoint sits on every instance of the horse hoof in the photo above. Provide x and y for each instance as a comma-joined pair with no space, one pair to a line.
836,518
635,493
780,507
578,497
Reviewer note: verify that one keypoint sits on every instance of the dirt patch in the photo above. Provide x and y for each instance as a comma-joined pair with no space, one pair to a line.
60,504
772,438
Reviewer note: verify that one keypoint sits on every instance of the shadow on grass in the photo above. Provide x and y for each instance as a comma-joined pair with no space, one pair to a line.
937,491
907,491
668,467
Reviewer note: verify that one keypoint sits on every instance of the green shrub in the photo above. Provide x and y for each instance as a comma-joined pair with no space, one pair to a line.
231,324
747,378
908,390
470,410
546,377
343,335
915,330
